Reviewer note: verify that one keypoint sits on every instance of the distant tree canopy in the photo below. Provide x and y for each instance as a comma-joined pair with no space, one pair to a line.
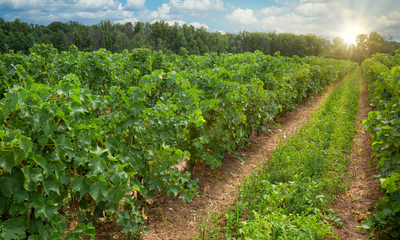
115,37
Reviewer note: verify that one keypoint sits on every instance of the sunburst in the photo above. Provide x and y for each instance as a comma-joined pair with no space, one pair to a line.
350,33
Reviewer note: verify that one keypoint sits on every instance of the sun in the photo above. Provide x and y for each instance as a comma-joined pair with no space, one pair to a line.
350,33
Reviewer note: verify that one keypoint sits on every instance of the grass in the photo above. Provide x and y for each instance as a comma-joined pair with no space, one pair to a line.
289,197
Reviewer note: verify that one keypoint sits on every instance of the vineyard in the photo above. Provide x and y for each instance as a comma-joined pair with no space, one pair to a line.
93,135
382,73
289,194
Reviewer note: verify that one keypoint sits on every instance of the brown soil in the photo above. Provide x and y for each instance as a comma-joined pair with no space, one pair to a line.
352,207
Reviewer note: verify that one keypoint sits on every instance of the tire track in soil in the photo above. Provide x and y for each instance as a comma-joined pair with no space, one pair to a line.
170,218
352,207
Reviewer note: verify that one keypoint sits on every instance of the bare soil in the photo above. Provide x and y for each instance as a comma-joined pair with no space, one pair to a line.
352,207
170,218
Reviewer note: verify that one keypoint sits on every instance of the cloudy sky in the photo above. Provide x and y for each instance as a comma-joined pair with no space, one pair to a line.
325,18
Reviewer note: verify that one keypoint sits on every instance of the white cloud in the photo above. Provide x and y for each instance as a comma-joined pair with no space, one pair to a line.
88,11
301,19
134,4
275,10
230,6
220,31
380,22
199,25
291,22
395,15
95,4
206,15
133,20
324,10
313,9
325,1
197,5
61,5
173,22
20,4
347,13
37,16
242,17
162,12
176,9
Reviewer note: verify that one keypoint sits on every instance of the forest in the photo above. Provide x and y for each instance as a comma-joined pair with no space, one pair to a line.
116,37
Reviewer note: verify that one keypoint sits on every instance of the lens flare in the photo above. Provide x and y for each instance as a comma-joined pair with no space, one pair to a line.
350,33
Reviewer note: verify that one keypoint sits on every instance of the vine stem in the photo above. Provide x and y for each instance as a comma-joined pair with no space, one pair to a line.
88,178
55,98
80,175
9,120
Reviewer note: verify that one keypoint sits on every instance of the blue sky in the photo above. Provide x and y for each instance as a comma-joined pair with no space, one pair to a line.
325,18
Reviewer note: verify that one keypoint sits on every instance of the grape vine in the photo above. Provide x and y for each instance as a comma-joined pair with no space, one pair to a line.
82,131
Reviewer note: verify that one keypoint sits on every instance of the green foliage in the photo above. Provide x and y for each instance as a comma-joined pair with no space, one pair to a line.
289,195
382,73
61,145
82,131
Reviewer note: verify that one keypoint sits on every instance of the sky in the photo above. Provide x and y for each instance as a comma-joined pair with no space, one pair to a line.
324,18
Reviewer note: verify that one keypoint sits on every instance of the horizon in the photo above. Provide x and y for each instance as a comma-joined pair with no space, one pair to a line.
324,18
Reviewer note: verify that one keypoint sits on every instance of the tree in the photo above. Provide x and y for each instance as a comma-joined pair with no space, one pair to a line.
31,39
56,26
129,30
313,45
138,26
258,41
339,48
221,42
179,39
138,41
378,44
300,47
58,40
287,46
362,47
3,42
77,40
122,42
202,47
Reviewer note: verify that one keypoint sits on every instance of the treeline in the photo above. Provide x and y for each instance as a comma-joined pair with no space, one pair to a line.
115,37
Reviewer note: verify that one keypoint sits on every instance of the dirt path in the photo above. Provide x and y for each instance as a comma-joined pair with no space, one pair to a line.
352,207
170,218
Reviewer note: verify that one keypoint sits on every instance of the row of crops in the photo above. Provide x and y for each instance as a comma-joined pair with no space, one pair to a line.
382,73
82,131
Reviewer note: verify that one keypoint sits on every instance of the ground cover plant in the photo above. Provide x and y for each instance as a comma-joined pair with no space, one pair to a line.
382,73
290,195
82,131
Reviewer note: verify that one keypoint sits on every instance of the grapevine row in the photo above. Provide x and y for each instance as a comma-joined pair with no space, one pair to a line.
82,131
382,73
